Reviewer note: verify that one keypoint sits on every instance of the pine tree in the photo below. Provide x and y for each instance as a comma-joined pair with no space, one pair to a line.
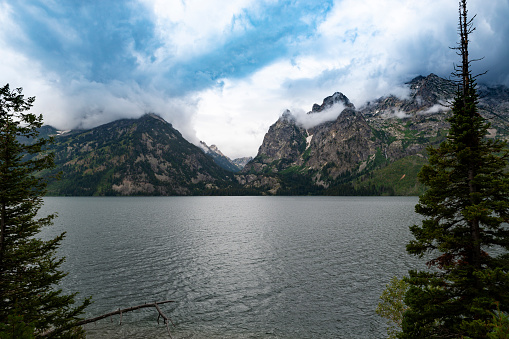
29,268
465,206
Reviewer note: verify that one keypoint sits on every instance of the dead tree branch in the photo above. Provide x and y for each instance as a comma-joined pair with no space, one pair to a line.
120,311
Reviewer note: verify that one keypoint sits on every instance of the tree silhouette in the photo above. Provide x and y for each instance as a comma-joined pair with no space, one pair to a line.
464,208
29,270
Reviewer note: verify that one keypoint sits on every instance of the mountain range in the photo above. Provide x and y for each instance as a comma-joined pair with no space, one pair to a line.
337,150
375,149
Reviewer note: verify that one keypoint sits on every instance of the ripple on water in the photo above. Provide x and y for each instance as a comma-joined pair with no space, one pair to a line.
237,267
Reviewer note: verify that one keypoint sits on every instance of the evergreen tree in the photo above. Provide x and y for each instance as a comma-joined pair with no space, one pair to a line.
29,269
465,206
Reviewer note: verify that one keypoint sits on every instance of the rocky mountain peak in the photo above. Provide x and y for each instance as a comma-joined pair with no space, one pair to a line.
216,150
431,90
210,149
330,101
419,80
154,116
287,116
429,94
285,140
218,157
144,156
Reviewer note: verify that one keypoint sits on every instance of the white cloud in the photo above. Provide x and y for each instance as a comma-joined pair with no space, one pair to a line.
309,120
192,27
442,107
237,115
362,48
400,114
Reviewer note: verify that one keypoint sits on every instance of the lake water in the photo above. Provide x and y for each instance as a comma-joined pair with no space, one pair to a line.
236,267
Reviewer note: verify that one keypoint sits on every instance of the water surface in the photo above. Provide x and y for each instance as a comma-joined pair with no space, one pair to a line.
236,267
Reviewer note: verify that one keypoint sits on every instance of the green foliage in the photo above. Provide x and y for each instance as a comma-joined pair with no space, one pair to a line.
307,154
303,142
392,306
500,325
400,175
464,208
295,183
29,269
380,134
292,169
16,328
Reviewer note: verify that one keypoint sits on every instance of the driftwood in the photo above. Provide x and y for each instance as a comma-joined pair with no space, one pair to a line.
120,311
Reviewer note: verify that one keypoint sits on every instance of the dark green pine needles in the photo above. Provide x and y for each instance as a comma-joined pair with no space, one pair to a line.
465,208
31,305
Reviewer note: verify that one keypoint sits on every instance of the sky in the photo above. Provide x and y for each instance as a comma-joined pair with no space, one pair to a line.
223,71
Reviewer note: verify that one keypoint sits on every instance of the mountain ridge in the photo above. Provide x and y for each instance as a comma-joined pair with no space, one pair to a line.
375,149
338,156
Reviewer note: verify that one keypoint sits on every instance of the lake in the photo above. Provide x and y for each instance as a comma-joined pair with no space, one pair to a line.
236,267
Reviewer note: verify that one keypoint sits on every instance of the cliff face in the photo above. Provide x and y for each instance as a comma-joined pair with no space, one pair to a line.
322,152
426,95
361,141
242,162
339,146
282,145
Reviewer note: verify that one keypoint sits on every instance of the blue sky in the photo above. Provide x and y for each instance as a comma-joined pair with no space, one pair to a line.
224,71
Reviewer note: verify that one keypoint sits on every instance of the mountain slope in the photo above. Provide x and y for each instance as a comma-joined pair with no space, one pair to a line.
144,156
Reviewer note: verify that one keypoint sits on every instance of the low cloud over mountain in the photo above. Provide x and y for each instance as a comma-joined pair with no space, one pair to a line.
220,70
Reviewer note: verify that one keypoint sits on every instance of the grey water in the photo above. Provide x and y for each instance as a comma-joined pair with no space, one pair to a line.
235,267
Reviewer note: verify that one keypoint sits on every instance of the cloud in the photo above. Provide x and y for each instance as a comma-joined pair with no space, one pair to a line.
368,49
95,40
312,119
400,114
441,107
222,71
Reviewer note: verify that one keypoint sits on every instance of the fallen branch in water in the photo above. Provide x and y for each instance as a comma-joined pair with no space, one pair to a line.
129,309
